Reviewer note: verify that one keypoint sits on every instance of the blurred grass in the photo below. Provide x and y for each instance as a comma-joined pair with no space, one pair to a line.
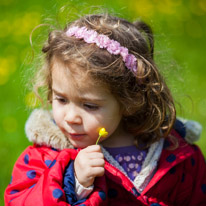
180,40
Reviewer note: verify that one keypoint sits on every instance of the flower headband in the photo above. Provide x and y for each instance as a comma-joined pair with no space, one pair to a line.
103,41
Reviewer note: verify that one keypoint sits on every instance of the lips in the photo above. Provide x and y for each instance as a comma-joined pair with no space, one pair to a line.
76,135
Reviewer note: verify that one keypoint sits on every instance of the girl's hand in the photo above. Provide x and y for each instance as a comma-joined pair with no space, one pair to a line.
89,164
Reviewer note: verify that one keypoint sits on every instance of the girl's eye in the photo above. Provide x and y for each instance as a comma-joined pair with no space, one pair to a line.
91,106
61,100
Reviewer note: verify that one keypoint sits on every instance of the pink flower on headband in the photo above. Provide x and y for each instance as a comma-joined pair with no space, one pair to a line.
90,36
114,47
103,41
124,52
80,33
71,31
131,63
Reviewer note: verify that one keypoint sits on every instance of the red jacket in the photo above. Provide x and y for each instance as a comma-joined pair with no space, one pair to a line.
37,179
44,176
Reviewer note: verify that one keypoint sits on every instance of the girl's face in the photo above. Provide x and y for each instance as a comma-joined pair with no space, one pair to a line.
80,111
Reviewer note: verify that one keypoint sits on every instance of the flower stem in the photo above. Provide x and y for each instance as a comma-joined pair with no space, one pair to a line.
98,139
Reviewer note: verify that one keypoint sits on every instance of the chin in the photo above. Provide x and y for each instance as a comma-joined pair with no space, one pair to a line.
79,146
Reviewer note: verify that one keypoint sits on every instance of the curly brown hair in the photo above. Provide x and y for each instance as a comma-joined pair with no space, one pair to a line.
148,106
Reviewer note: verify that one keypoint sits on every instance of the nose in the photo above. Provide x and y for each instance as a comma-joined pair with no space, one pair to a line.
73,115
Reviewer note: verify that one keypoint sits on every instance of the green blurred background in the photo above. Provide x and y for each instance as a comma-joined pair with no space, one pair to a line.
180,42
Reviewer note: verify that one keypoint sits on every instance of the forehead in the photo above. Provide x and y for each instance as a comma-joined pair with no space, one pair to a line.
74,77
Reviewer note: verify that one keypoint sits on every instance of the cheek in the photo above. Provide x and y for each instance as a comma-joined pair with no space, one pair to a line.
111,126
106,120
57,114
92,125
112,122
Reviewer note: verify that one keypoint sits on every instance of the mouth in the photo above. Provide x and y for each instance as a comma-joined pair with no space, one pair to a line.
76,135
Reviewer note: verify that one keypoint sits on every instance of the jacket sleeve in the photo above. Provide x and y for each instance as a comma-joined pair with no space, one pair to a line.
37,177
75,192
193,181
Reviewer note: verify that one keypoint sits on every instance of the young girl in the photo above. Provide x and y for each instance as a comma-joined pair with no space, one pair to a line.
100,73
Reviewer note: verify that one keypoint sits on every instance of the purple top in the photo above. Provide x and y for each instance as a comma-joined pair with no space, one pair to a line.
130,158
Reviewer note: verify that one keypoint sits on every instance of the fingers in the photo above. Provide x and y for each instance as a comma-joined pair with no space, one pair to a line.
96,171
89,164
93,148
97,163
92,152
95,155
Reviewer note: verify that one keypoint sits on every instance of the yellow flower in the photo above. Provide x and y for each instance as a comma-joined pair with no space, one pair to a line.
102,133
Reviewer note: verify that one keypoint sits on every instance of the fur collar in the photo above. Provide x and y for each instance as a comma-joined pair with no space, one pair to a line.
41,129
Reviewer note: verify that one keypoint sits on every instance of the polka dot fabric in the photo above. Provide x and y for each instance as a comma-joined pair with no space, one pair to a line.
130,158
180,179
36,177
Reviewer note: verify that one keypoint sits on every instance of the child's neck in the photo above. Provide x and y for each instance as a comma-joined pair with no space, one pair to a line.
122,139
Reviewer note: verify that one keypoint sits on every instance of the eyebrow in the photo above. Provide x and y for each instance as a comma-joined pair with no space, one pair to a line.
82,98
58,93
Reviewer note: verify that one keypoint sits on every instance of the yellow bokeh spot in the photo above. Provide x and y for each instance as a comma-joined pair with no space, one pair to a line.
4,66
31,100
143,8
167,6
197,7
10,124
202,5
7,67
23,25
3,78
8,63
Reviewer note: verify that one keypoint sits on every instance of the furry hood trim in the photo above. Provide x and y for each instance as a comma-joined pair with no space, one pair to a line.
41,129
